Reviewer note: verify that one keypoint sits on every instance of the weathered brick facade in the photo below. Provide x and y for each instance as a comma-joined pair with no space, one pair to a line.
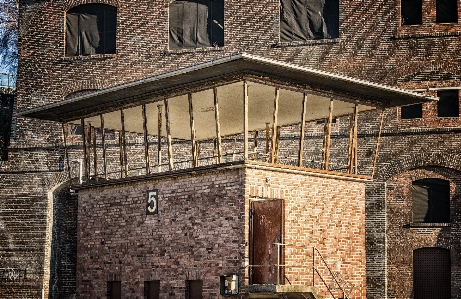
372,45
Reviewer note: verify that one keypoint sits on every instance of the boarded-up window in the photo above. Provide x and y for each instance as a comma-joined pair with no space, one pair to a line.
152,289
431,201
412,12
447,11
196,24
114,290
6,114
194,289
448,104
412,111
302,20
91,29
431,273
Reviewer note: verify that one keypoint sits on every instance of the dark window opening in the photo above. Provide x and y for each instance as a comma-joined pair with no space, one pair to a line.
302,20
448,104
447,11
194,289
196,24
431,201
114,290
91,29
6,116
431,273
412,111
412,12
152,289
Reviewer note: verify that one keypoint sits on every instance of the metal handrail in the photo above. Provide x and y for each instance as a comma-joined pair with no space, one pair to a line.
314,249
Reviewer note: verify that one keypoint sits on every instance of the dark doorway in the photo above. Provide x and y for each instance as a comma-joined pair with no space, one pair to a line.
266,232
431,273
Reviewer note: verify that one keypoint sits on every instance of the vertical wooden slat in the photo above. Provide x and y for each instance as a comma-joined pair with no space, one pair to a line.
125,155
85,151
356,120
245,120
377,144
255,145
268,132
95,154
146,141
120,146
192,131
159,137
274,124
351,140
301,137
168,136
328,137
218,124
103,140
352,156
66,153
277,144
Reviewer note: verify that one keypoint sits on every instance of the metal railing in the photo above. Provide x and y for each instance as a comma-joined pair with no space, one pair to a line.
282,277
7,81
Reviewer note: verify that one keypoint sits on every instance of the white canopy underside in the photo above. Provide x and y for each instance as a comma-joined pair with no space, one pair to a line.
230,97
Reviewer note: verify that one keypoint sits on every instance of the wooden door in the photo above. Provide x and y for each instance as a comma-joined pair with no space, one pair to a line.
266,232
431,273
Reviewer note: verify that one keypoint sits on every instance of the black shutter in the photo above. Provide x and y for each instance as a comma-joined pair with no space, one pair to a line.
448,104
412,12
447,11
412,111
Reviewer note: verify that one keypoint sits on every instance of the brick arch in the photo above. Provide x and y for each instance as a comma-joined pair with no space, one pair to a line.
73,3
400,164
82,86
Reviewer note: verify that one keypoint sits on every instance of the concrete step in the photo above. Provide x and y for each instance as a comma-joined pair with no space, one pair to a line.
268,291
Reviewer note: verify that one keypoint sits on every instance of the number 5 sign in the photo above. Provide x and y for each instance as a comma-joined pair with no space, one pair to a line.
152,202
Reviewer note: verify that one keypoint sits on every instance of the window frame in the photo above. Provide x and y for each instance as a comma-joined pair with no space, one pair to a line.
441,206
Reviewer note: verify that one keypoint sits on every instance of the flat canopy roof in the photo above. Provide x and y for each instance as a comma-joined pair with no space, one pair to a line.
227,74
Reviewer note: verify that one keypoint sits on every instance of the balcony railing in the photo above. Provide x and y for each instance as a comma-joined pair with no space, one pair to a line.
7,82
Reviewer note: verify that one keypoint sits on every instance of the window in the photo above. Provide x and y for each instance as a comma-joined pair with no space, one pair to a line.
196,24
412,12
194,289
152,289
447,11
114,290
431,201
412,111
91,29
302,20
448,104
6,114
431,273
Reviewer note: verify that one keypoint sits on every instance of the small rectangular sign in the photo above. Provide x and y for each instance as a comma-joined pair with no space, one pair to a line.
152,202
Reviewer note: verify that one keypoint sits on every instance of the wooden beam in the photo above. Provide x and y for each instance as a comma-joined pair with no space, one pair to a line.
351,137
352,155
104,154
302,133
120,146
328,137
277,144
218,124
255,145
168,136
85,151
95,154
377,143
268,134
125,155
159,137
192,130
245,120
274,125
66,153
146,141
356,130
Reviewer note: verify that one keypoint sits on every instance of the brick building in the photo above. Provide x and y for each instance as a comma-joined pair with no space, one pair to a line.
398,179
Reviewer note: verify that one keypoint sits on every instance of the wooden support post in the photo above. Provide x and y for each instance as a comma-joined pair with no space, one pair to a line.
274,124
120,146
168,136
268,134
159,137
245,120
192,131
303,128
146,140
351,136
95,154
377,144
104,154
125,155
66,153
85,150
328,137
218,125
277,143
352,156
